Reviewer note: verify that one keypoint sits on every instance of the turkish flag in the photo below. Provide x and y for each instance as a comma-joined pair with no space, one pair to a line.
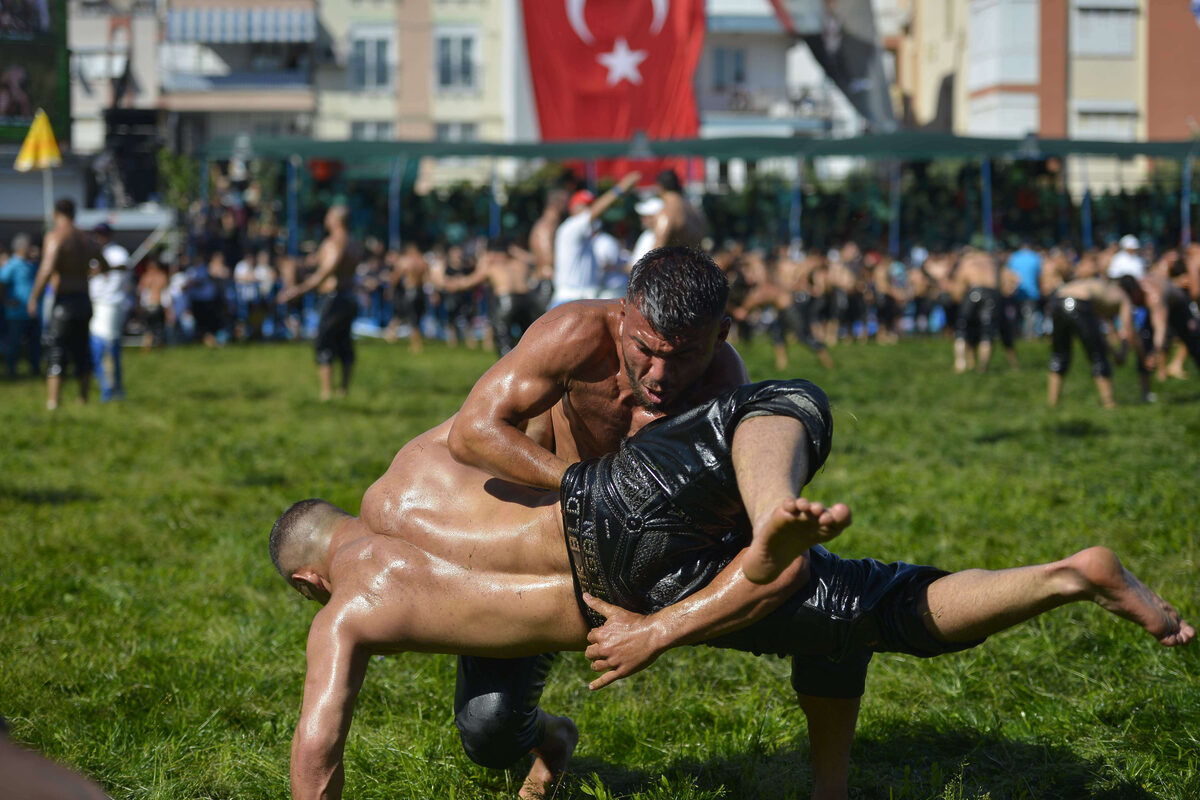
606,69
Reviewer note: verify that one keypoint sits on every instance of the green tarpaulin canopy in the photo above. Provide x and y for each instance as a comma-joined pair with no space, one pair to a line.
903,146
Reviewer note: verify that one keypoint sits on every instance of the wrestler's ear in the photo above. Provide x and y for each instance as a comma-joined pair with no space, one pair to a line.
723,331
311,584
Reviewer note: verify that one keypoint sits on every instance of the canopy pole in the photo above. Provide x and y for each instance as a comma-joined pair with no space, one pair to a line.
1085,210
985,170
796,211
894,222
1185,204
293,205
493,205
395,182
1063,189
48,197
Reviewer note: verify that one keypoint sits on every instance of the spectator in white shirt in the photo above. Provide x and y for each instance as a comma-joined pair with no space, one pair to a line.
111,293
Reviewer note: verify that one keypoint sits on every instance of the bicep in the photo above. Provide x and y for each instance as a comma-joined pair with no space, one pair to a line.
523,384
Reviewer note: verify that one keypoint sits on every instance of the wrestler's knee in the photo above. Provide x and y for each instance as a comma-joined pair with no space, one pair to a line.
1101,368
495,733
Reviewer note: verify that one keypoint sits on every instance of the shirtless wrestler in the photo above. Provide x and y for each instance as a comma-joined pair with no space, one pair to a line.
510,277
976,285
337,258
445,558
410,273
68,256
589,373
1077,309
679,222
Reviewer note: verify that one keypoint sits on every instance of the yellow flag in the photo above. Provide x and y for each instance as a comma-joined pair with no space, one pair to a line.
40,150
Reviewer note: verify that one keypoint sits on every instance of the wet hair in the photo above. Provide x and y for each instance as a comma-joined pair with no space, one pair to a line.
65,206
668,180
1132,288
292,533
678,289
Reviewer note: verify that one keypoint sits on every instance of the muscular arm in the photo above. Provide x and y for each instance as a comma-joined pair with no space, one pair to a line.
605,201
45,270
327,261
489,431
628,643
336,668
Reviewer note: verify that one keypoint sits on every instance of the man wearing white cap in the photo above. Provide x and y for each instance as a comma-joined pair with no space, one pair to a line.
1126,261
648,210
110,293
576,270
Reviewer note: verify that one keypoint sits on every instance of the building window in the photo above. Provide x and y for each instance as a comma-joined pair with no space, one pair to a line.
456,65
371,131
456,131
370,60
729,67
1103,30
1105,124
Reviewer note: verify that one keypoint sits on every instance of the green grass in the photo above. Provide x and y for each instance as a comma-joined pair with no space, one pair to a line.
148,642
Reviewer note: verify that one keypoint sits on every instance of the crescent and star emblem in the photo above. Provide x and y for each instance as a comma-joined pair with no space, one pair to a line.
621,63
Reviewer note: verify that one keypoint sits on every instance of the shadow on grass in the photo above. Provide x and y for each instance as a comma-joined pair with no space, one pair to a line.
915,764
1078,429
38,495
995,437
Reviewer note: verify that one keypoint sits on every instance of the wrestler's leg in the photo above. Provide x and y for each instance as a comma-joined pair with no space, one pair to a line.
967,606
831,723
325,373
770,459
499,721
550,756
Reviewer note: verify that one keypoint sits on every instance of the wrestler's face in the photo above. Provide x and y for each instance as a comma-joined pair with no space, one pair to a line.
660,370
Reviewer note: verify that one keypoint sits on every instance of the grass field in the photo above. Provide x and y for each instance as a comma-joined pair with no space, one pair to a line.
147,641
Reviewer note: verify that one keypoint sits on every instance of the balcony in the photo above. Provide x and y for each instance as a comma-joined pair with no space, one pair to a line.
739,110
279,90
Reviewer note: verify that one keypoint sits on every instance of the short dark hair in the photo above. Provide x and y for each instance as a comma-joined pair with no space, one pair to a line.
1132,289
668,180
678,289
65,206
289,524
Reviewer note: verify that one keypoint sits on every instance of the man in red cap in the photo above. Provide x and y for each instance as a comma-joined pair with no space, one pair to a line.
576,270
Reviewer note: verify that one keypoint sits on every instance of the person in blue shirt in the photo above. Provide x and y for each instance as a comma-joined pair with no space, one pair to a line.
21,329
1027,263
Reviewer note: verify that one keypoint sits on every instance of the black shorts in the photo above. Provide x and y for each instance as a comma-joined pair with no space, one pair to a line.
1074,317
409,306
849,610
978,315
66,338
333,342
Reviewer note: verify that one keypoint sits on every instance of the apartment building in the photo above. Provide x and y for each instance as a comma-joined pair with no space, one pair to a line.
1121,70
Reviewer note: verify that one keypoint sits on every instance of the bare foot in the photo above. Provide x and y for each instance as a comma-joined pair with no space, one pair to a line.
784,534
550,758
1118,590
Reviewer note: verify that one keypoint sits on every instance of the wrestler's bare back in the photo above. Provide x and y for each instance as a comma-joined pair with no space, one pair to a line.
445,558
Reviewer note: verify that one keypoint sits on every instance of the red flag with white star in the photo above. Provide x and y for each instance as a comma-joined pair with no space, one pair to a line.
606,69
